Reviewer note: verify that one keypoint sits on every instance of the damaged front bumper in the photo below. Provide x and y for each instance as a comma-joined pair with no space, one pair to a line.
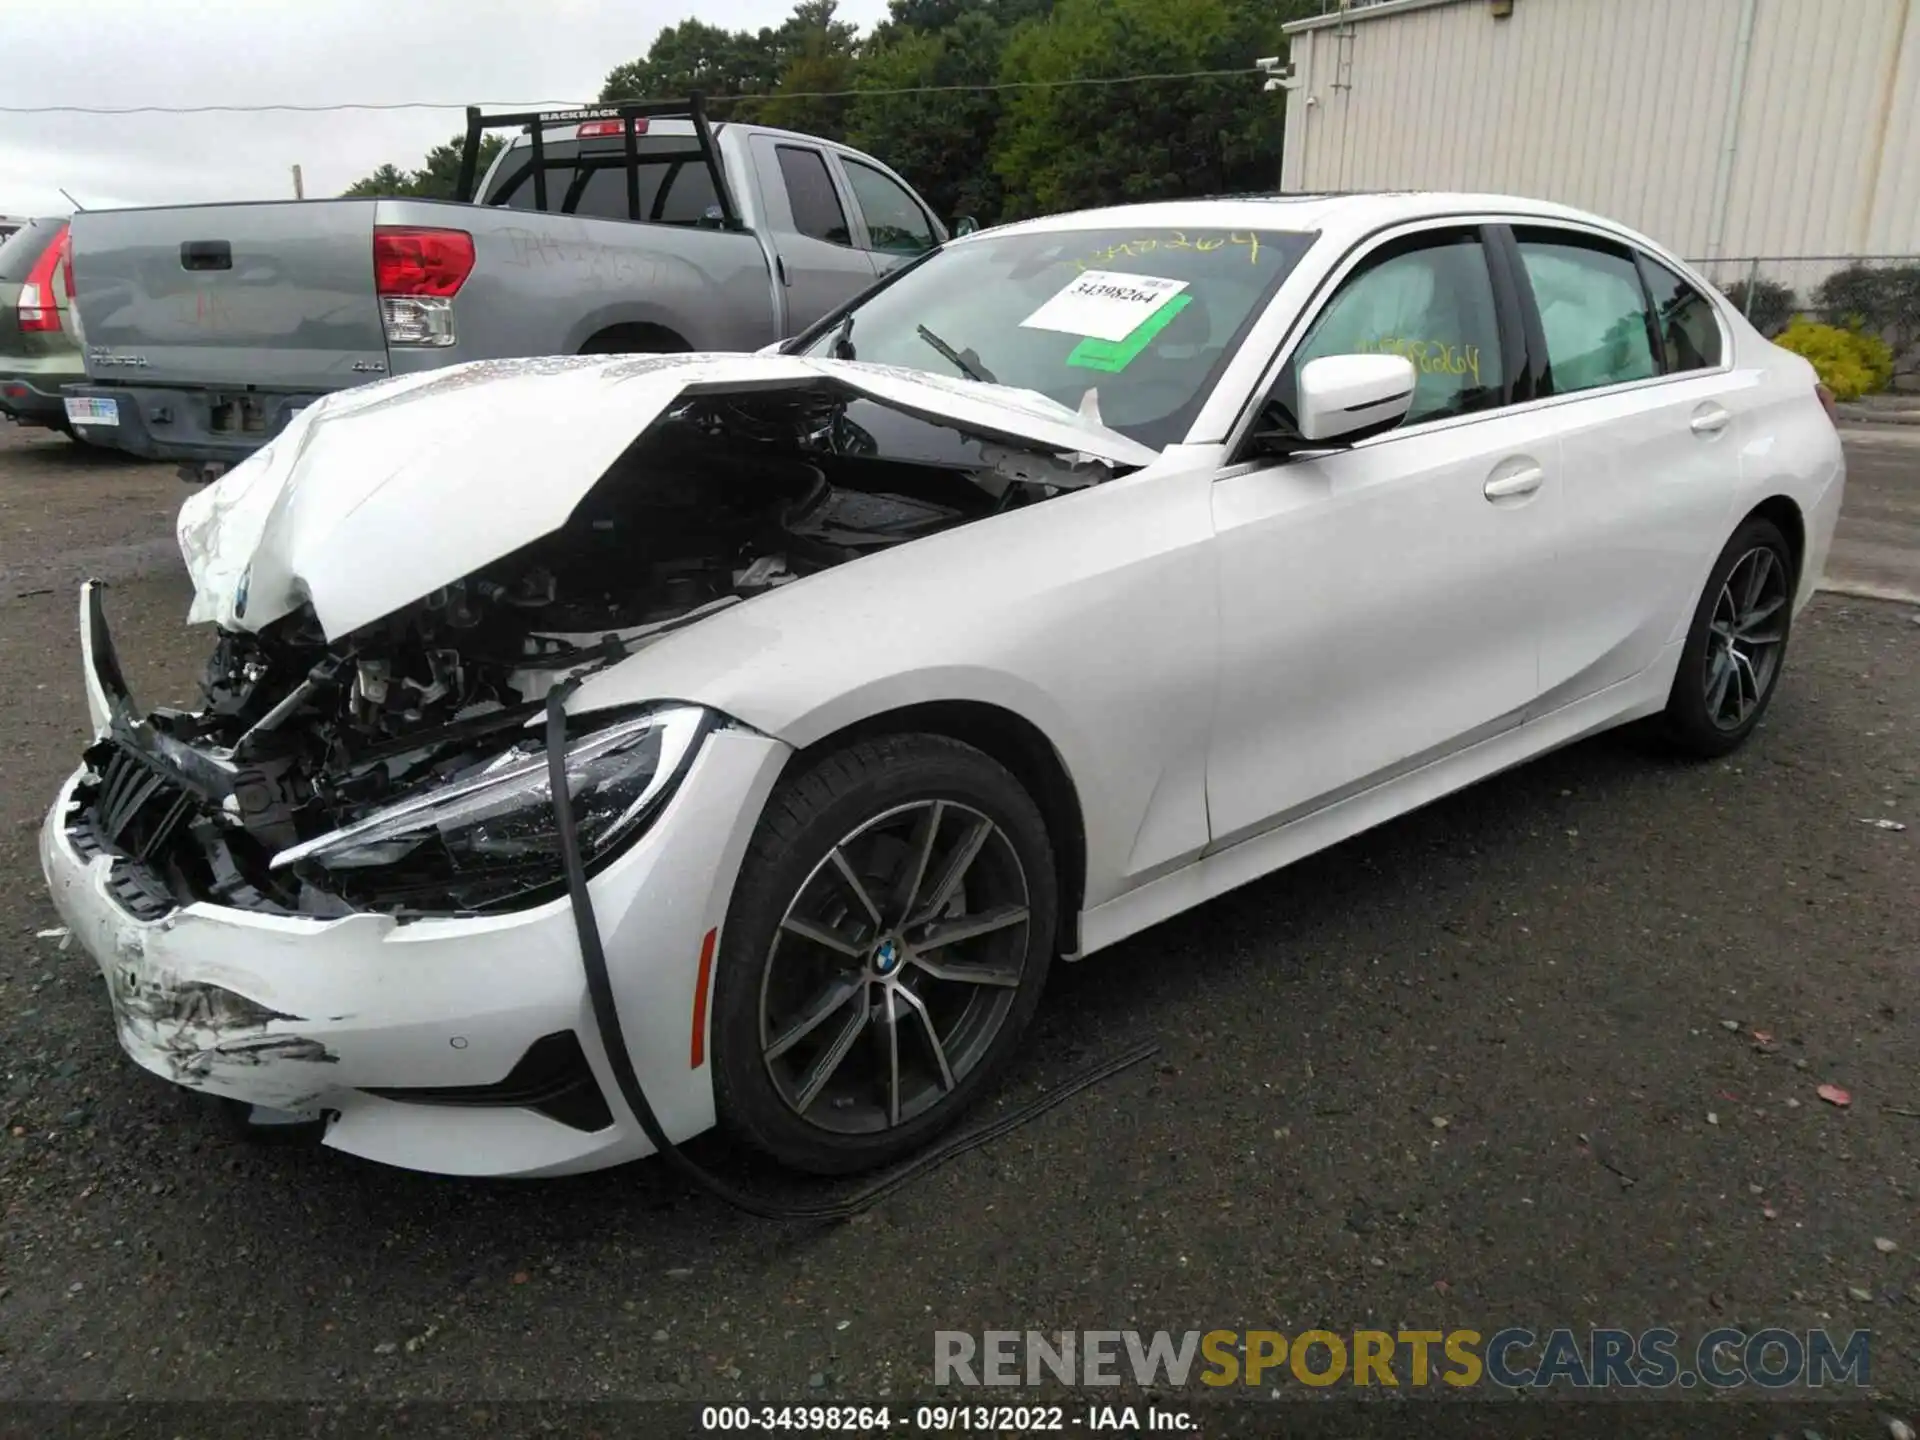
460,1045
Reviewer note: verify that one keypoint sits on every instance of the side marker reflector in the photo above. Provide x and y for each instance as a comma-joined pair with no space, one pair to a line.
700,999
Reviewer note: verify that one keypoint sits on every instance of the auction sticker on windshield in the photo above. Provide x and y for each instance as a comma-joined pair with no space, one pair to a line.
1104,304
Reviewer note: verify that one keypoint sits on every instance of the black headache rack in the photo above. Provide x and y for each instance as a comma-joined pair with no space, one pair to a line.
535,122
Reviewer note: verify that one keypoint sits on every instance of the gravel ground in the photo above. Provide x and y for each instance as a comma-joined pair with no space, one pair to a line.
1565,965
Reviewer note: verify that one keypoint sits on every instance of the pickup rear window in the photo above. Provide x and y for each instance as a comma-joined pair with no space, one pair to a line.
590,178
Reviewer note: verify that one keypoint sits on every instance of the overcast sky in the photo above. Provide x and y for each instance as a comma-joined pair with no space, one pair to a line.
240,52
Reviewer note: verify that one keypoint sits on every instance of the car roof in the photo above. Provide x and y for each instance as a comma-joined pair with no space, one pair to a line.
1343,217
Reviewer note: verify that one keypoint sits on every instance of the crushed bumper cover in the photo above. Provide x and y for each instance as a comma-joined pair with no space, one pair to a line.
425,1043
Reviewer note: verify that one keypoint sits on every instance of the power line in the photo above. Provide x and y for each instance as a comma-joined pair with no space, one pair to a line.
262,109
989,85
983,86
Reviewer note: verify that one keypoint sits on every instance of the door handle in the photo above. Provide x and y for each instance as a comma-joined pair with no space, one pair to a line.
1709,419
1515,483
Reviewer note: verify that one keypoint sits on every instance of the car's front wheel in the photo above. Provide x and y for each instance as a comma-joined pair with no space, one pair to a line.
885,948
1734,653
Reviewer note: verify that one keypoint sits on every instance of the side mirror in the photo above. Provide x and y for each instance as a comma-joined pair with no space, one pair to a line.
965,225
1347,397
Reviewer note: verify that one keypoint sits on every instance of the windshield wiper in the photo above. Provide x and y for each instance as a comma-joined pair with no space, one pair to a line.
843,339
972,369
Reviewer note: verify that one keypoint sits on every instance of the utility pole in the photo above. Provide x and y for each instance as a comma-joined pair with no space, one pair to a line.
299,186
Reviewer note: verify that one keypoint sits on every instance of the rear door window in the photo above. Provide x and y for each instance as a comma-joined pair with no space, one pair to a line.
811,196
1592,309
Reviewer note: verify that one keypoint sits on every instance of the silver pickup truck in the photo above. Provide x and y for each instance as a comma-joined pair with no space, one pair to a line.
629,228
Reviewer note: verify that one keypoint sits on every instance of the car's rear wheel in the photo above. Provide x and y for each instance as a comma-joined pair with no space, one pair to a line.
1734,653
886,946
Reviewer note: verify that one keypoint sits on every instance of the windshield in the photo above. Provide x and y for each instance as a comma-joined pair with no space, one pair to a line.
1129,327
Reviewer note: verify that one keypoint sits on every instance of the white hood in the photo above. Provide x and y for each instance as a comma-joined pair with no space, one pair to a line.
376,496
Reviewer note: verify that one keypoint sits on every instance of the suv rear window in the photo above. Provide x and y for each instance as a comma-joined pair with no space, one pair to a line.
590,178
23,247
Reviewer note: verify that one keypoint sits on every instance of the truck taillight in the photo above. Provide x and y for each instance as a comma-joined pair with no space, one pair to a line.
409,261
416,273
39,309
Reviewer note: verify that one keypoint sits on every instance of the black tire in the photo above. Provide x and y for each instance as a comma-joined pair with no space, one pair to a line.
1692,724
937,789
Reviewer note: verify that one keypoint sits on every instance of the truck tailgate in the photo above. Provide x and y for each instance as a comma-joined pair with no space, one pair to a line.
278,296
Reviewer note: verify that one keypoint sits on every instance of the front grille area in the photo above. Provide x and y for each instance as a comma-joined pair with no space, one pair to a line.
138,814
552,1079
137,808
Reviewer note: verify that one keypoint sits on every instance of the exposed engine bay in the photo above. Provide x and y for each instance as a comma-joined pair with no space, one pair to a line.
724,499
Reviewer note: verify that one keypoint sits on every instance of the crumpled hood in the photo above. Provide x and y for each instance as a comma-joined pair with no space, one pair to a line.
374,497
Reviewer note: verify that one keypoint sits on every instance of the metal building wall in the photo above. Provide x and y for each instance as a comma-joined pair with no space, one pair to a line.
1797,120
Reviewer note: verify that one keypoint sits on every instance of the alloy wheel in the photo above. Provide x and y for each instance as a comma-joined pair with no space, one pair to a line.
1748,629
894,967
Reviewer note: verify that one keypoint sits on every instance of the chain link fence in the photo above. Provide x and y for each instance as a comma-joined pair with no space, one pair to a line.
1880,293
1877,293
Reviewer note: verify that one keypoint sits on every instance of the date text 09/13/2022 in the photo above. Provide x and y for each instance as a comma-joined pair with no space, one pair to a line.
945,1419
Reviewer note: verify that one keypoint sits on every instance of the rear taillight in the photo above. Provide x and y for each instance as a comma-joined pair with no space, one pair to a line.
39,310
600,129
416,273
408,261
1827,404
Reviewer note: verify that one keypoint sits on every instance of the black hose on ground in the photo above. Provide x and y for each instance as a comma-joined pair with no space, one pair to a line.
606,1014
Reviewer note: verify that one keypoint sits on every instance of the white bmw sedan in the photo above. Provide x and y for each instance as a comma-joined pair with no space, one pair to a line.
1080,571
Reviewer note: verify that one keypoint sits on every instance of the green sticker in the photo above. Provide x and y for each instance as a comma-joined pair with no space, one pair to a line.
1114,356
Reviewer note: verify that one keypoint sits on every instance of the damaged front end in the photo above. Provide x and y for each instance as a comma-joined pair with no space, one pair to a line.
394,768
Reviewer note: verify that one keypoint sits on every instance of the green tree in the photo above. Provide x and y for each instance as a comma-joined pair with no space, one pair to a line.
387,180
1061,147
818,56
436,180
696,56
441,174
810,52
937,139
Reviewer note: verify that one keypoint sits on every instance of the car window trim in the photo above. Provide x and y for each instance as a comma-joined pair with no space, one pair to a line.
1357,255
1655,331
1620,250
849,163
858,237
1705,288
1705,295
1521,380
835,183
1539,382
1246,414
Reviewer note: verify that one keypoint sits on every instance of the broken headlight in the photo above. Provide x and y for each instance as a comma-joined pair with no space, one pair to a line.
488,836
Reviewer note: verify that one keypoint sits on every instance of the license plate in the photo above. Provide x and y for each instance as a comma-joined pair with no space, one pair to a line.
86,410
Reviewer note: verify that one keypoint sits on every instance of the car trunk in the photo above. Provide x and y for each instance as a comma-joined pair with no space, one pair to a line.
279,296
